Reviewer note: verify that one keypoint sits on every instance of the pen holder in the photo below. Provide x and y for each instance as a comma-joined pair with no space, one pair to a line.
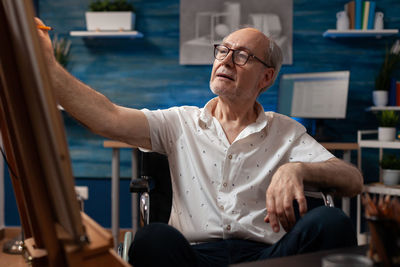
385,241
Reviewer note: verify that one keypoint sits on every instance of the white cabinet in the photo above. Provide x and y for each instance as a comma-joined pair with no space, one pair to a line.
376,188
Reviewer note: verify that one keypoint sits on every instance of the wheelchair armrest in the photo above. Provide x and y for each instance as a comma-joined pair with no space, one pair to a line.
140,185
326,194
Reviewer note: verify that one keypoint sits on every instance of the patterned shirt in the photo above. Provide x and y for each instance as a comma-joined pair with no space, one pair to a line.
219,188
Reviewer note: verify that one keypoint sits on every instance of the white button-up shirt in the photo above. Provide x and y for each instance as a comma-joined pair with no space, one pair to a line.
219,188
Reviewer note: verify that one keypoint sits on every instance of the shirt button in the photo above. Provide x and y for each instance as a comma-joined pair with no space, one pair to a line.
225,184
228,227
230,157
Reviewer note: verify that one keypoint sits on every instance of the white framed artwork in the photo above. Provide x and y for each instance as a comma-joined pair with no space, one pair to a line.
205,23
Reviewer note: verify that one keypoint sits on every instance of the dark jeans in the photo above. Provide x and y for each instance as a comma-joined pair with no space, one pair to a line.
162,245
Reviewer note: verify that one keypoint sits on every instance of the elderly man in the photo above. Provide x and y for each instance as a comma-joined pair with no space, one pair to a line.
236,170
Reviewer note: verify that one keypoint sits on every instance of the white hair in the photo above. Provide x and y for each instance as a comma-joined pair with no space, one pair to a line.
274,58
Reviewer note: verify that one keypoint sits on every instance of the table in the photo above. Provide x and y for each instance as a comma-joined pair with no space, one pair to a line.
304,260
346,148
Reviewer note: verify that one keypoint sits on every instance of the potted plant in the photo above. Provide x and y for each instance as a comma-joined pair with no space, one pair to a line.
61,47
382,81
387,120
390,166
110,15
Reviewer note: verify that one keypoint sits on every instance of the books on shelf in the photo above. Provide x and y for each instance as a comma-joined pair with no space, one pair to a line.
361,14
349,8
365,13
394,93
371,15
397,93
358,15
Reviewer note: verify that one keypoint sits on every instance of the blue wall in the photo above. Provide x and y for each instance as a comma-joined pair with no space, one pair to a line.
145,72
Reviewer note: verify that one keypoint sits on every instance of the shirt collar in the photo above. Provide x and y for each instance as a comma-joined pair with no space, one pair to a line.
207,118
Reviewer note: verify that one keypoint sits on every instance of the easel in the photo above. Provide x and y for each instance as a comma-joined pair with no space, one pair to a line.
56,233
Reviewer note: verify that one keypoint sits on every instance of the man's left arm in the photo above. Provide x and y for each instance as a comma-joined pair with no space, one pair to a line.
335,174
287,184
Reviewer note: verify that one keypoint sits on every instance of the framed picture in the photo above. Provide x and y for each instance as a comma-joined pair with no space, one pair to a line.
207,22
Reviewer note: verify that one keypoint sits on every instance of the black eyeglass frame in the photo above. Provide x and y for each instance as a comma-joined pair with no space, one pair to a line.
233,58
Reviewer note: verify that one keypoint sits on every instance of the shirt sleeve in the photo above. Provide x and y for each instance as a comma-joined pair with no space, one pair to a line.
164,128
307,149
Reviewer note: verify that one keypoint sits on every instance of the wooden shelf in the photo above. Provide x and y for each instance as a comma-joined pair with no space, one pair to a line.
374,143
374,108
379,144
360,33
107,34
379,188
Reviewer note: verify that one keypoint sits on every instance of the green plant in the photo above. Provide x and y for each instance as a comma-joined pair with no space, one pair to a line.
392,59
390,162
61,47
107,5
388,118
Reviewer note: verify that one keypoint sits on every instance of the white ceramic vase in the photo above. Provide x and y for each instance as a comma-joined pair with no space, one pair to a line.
391,177
380,98
386,133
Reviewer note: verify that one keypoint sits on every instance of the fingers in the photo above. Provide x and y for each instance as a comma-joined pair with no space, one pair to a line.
289,214
38,21
280,209
45,42
271,216
42,28
301,200
285,212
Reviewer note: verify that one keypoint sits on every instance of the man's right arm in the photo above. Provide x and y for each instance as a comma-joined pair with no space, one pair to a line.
93,109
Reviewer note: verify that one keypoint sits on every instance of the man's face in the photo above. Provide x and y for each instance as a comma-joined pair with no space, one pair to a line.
232,81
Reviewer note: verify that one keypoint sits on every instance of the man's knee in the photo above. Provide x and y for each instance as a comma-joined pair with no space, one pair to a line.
328,217
157,243
333,225
153,234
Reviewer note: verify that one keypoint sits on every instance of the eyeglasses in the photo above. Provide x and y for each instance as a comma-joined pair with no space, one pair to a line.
239,57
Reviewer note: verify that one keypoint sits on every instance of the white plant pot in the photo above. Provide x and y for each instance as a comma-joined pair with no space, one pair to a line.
391,177
386,133
110,21
380,98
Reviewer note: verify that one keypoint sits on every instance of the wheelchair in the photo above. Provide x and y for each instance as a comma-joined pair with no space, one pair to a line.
155,183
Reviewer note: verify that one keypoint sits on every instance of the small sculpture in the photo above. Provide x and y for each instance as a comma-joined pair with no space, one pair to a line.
378,25
342,21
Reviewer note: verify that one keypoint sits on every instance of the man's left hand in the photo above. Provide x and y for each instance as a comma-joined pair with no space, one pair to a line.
286,185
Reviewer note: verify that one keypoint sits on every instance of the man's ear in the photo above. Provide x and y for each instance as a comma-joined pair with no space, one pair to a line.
267,77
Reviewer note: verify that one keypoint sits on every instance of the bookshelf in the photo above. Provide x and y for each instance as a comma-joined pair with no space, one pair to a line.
359,33
375,188
107,34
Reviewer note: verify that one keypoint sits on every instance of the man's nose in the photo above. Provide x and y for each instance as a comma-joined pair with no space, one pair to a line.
228,60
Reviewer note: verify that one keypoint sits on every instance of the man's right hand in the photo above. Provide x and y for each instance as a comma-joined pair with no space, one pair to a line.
45,43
